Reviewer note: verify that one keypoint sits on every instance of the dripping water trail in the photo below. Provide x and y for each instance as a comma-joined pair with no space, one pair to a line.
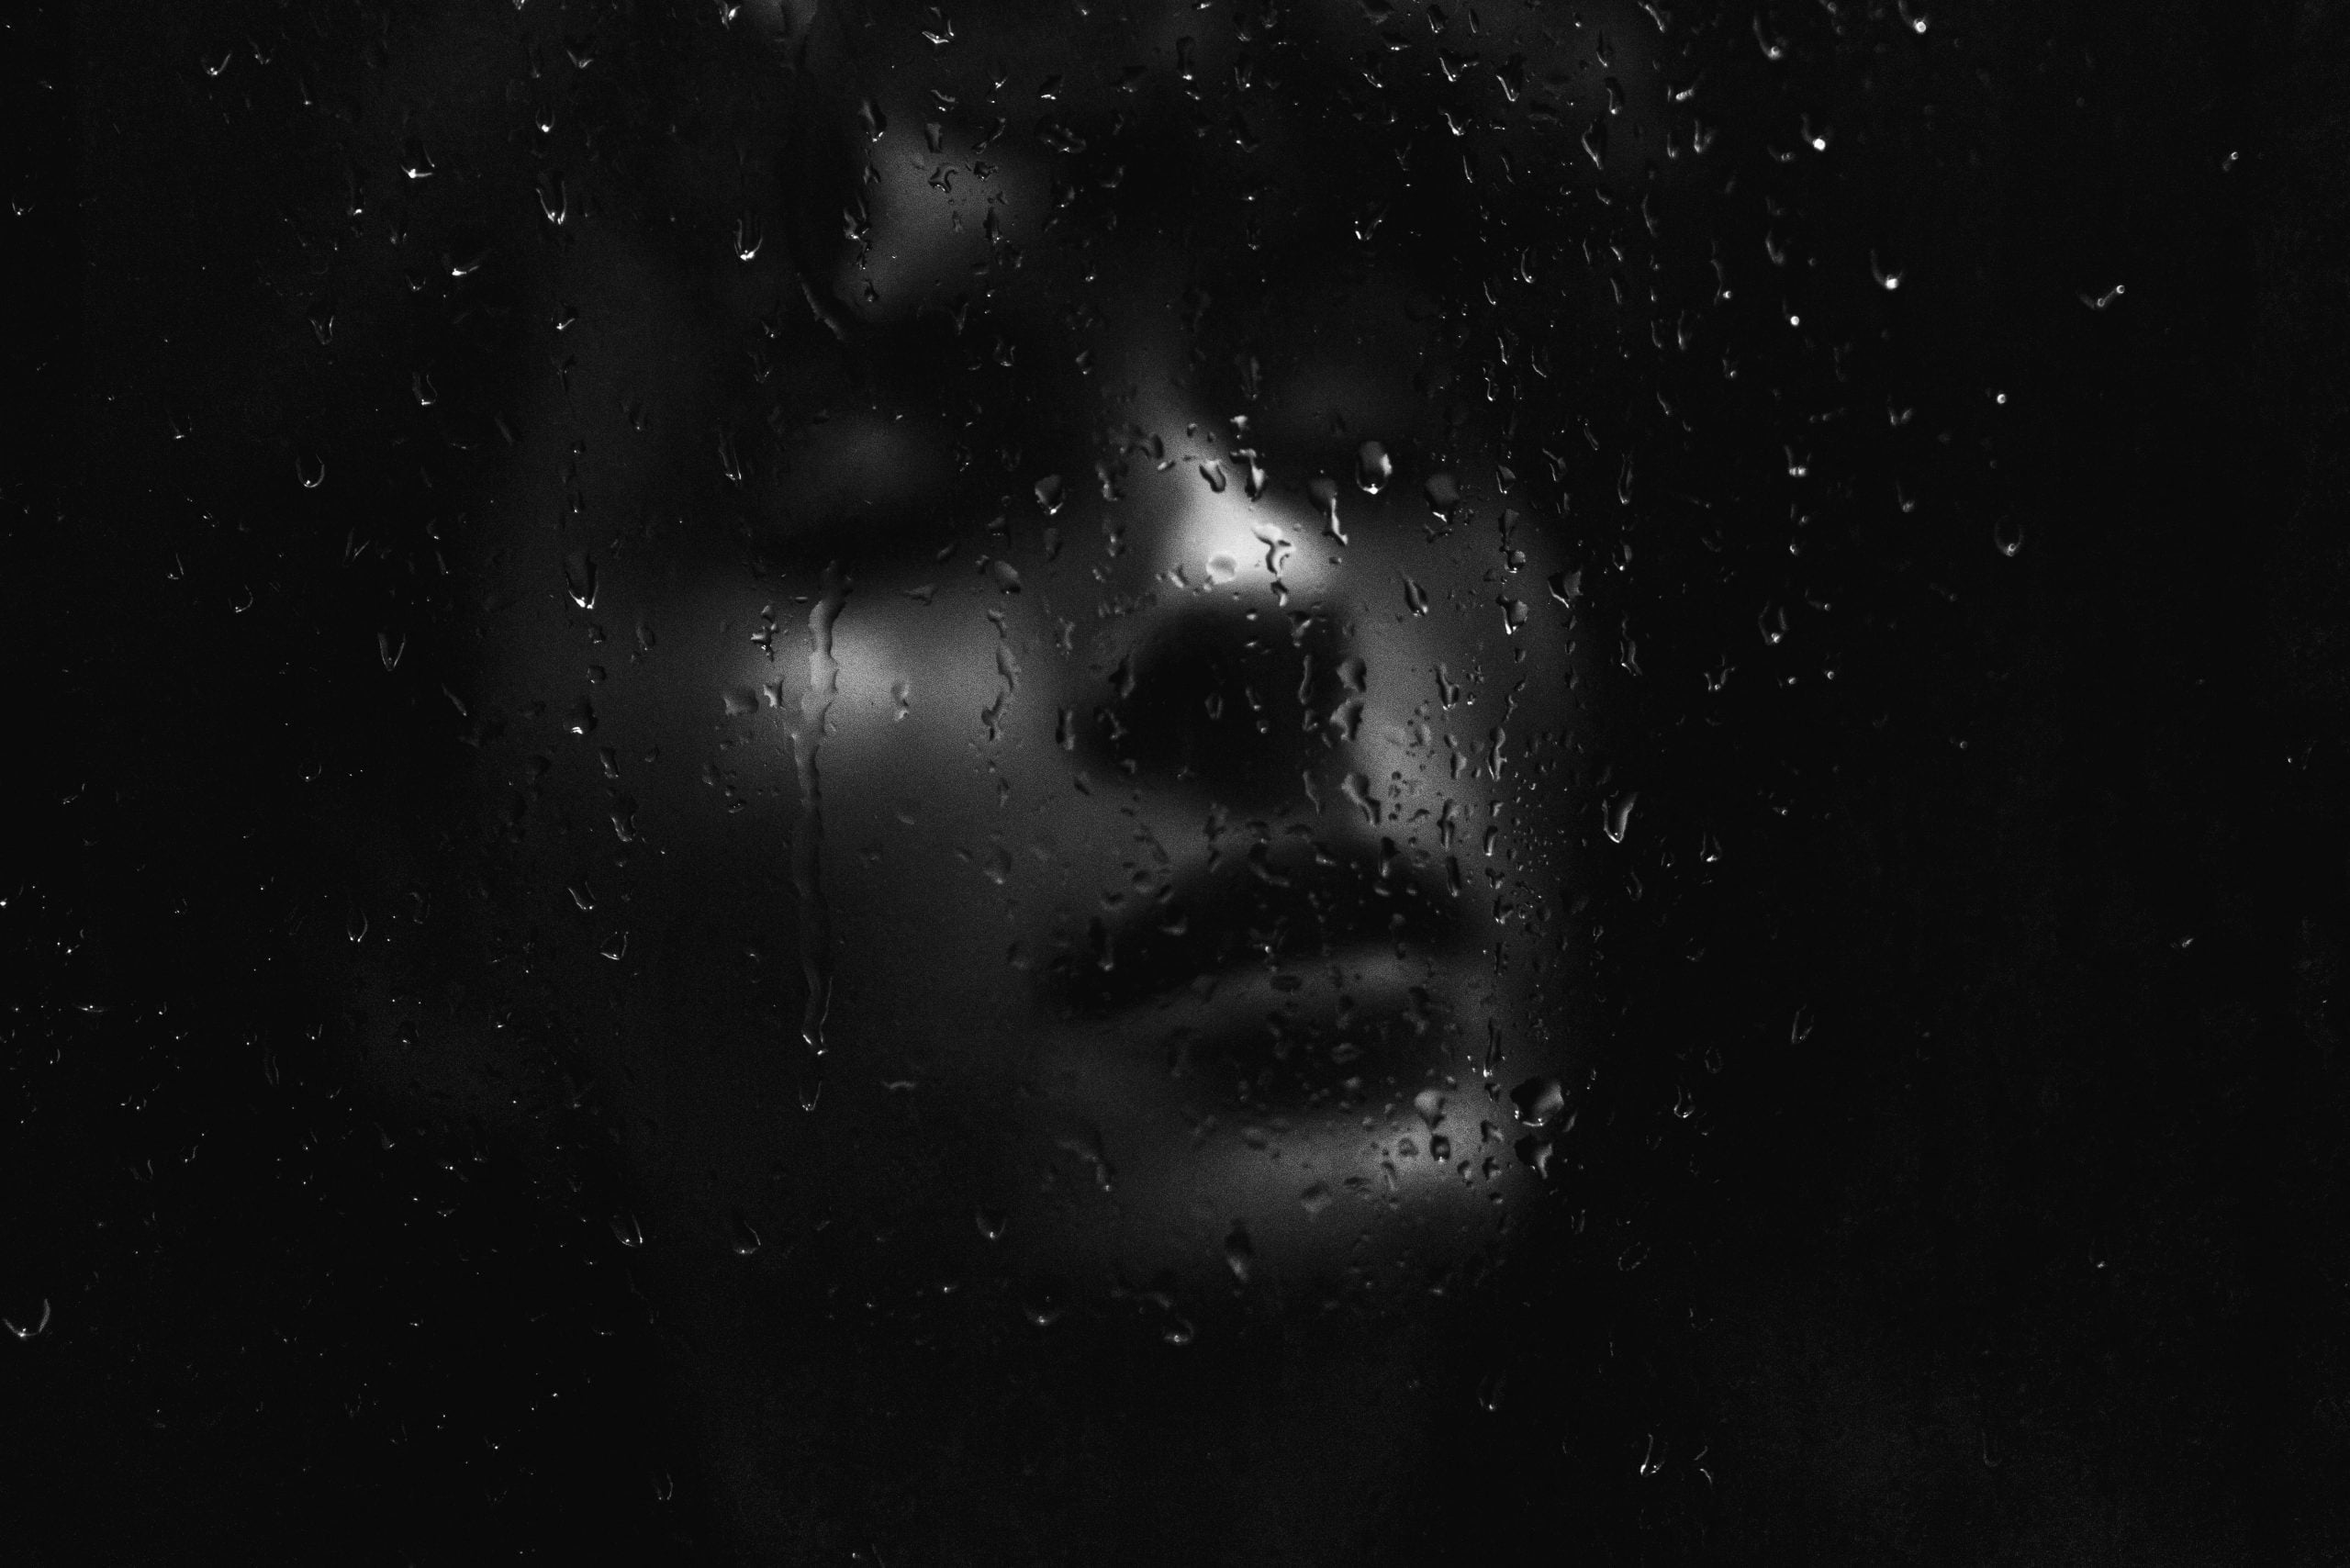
808,835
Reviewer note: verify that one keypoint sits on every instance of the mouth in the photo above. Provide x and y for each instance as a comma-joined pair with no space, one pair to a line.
1278,981
1277,1049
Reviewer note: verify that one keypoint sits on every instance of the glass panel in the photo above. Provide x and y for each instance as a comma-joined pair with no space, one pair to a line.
1319,781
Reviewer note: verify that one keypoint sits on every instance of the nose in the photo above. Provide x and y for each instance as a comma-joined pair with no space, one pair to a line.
1241,706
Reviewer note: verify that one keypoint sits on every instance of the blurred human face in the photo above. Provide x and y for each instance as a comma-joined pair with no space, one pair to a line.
1141,751
1049,699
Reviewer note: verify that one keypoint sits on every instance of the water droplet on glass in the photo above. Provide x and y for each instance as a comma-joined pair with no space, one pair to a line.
1324,494
1041,1304
1539,1101
579,577
808,833
1240,1252
1253,474
1373,468
1595,143
32,1330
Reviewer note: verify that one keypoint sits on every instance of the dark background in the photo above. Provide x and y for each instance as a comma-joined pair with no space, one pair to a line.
1967,1184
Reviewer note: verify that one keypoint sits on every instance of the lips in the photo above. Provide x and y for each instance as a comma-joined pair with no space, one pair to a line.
1279,1039
1286,976
1264,910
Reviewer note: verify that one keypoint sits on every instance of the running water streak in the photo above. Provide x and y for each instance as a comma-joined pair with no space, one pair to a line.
808,835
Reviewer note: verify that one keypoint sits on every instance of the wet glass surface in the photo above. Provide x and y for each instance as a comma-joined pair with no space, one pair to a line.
1309,782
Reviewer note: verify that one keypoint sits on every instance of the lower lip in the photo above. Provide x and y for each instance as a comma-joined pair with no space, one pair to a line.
1152,1171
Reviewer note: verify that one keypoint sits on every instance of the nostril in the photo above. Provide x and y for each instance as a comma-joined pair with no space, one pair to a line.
1235,704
